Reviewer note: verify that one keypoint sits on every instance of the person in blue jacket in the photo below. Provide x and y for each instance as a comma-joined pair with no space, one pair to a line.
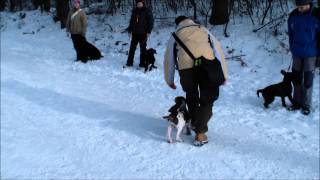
303,29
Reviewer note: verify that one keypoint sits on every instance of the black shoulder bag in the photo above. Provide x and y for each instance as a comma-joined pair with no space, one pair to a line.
209,70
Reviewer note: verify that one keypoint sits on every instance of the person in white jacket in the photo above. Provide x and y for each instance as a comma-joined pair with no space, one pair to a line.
200,95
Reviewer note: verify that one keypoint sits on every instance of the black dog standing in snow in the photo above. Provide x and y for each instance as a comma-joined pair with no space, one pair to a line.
179,118
148,59
92,52
283,89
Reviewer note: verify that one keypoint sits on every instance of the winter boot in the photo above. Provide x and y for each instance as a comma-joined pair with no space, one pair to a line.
294,107
200,139
305,110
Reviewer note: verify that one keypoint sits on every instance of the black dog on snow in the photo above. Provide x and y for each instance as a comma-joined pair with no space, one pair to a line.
93,52
283,89
148,59
179,118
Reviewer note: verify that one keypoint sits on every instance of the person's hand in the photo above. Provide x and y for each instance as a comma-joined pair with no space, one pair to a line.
68,34
225,82
173,86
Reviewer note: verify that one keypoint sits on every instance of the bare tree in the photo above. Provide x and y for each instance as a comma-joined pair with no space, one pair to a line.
16,5
194,5
62,7
2,5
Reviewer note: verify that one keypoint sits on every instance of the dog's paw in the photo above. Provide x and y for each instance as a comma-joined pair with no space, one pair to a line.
179,140
169,141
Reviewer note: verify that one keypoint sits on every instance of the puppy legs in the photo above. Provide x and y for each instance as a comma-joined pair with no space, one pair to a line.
180,127
169,132
291,99
267,100
188,128
283,102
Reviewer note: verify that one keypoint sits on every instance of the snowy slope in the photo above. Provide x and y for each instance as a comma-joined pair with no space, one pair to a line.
63,119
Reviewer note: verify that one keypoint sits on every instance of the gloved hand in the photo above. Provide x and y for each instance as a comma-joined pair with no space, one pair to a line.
225,82
173,86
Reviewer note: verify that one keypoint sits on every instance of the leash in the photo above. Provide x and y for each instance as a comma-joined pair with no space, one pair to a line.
290,65
146,40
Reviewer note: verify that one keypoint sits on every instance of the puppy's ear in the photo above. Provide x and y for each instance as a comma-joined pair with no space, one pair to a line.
153,51
283,72
179,99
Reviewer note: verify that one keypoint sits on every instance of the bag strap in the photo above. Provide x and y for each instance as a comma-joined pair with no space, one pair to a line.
75,14
183,46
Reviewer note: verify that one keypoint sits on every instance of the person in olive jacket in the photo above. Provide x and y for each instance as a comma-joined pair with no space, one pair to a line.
140,27
77,26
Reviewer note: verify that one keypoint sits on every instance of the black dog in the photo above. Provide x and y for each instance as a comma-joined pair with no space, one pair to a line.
93,53
148,59
283,89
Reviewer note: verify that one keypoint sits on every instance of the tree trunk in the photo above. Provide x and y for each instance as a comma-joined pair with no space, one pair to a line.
47,5
16,5
36,4
62,11
194,4
86,3
2,5
220,13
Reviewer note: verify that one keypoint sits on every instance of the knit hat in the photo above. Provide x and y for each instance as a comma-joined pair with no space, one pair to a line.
180,18
303,2
139,1
76,1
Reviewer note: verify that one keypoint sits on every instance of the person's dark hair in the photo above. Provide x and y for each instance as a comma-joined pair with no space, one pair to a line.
303,2
180,18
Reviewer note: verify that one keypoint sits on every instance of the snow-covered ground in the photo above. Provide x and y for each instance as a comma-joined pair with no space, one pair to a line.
62,119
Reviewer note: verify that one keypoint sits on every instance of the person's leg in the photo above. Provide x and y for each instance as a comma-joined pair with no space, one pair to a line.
308,75
133,46
208,95
83,54
143,48
189,85
76,44
297,83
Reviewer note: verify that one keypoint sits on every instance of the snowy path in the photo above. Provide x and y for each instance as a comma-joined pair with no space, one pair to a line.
61,119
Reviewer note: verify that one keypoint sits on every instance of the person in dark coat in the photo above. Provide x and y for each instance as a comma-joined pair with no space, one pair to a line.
303,29
140,27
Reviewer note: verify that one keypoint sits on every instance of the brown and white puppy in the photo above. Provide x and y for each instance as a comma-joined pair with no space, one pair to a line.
178,118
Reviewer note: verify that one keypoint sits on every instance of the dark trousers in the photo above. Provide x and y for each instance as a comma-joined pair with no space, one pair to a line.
200,97
142,40
79,44
303,70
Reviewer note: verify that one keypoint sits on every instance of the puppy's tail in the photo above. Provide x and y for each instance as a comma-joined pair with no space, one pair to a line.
259,91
